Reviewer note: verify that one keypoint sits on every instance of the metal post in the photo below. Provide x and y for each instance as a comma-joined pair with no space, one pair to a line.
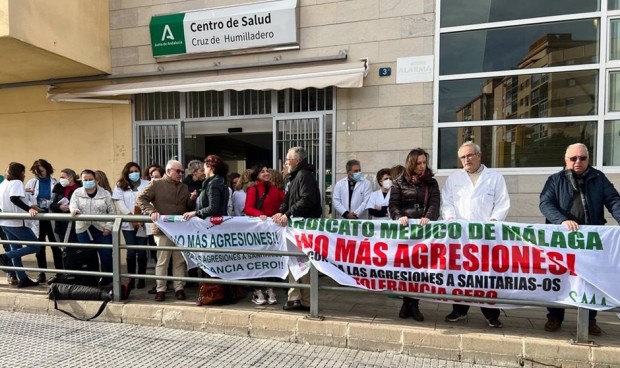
314,293
116,259
583,319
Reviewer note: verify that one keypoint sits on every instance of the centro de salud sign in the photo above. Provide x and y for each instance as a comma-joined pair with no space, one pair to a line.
250,26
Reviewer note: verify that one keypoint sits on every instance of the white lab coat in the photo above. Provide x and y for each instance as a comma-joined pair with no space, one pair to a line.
377,199
359,199
487,200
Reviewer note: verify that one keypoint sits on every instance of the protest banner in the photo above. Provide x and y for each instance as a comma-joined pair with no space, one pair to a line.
491,260
240,233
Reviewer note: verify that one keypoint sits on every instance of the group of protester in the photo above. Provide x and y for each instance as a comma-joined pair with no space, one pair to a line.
577,195
574,196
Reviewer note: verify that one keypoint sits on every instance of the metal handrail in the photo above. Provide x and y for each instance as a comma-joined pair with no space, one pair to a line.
582,314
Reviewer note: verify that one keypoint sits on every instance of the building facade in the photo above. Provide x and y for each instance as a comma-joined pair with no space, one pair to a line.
364,79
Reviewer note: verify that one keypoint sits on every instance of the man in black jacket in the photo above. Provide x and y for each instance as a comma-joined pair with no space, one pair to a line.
576,196
303,199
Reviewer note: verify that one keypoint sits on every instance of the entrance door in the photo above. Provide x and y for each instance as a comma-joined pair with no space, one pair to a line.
306,130
158,142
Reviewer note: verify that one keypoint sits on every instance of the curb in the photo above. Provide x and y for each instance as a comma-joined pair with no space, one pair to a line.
456,345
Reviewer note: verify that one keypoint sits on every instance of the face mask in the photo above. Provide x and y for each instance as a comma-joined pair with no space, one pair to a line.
387,184
89,184
357,176
64,182
134,176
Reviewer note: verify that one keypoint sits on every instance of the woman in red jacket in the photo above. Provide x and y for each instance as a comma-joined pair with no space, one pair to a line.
263,200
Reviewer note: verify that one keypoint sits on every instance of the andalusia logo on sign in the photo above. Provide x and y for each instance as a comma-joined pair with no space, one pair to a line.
167,35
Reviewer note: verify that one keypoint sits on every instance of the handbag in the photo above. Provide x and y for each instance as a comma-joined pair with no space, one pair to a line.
210,294
79,292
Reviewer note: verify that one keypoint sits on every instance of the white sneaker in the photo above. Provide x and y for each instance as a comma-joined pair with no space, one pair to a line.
271,296
258,298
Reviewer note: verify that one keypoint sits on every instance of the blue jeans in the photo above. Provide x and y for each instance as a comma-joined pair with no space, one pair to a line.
18,251
133,254
105,255
7,248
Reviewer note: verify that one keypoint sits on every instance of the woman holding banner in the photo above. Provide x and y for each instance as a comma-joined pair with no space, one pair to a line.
414,195
263,200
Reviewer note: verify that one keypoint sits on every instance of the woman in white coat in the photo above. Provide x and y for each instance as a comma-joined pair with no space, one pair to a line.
380,199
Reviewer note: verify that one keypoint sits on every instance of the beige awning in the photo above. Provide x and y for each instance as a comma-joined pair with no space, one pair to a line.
342,75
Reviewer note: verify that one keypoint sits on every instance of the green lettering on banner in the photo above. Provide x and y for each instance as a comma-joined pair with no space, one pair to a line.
389,230
489,231
476,231
558,240
511,233
594,241
167,35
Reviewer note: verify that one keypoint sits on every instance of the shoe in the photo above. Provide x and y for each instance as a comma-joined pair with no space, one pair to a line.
26,283
127,288
258,298
5,261
496,323
152,290
594,330
141,284
552,325
180,295
160,296
11,279
455,316
271,297
416,314
41,278
295,305
405,311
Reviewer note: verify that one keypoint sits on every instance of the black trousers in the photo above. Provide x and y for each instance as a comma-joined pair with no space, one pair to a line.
46,232
489,313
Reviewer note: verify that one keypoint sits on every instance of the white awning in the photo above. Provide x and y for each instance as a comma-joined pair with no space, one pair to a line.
342,75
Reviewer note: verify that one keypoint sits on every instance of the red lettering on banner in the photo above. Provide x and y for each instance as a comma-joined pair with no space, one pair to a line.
363,253
380,259
557,268
418,259
476,293
404,286
453,256
438,256
345,250
501,259
469,250
320,244
401,258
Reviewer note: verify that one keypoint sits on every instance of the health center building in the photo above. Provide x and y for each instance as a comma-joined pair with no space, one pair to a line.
96,84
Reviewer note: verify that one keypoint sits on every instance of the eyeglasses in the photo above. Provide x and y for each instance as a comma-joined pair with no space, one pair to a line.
470,155
178,171
580,158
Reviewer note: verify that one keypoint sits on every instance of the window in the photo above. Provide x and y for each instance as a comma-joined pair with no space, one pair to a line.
519,47
157,106
522,145
205,104
611,143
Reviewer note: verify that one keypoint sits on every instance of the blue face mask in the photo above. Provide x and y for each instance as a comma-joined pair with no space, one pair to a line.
134,176
89,184
357,176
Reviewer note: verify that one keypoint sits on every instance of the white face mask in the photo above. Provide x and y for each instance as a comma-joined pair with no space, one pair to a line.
64,182
387,184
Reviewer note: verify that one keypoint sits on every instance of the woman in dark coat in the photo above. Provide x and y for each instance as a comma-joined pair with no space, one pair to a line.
414,195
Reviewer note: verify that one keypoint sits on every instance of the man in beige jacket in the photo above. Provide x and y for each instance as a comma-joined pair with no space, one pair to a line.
167,196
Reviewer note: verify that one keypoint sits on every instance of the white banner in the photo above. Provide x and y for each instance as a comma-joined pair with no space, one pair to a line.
492,260
235,233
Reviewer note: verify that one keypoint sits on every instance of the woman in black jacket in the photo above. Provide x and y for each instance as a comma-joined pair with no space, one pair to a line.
414,195
213,198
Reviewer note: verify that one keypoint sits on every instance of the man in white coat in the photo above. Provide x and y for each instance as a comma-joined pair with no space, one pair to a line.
475,193
351,194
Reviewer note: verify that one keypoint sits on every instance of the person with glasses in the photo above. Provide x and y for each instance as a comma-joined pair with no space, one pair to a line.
475,193
127,189
575,196
167,196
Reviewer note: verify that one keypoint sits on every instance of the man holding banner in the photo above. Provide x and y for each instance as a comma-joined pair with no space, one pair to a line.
576,196
302,199
475,193
167,196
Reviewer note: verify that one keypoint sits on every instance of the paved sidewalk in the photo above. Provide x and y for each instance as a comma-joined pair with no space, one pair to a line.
362,322
48,341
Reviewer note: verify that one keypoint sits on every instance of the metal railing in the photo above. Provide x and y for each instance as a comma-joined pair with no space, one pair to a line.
117,274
